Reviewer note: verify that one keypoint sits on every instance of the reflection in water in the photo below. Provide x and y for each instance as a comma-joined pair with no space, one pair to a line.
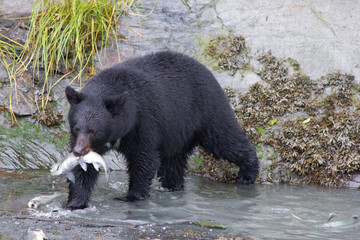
257,211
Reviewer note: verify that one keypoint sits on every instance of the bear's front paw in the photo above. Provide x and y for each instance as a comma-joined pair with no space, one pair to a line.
172,187
74,206
134,196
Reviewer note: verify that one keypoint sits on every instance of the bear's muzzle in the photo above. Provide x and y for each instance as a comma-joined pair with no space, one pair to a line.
82,145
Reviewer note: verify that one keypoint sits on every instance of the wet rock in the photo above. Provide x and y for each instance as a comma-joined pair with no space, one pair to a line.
240,81
352,184
22,94
321,36
15,8
13,28
3,76
356,178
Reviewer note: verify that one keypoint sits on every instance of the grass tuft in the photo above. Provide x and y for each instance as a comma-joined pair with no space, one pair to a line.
67,34
9,55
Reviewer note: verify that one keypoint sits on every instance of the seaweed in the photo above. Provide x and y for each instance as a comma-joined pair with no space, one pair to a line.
228,51
48,117
310,126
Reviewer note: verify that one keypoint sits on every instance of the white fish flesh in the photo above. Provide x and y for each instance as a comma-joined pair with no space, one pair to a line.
34,234
43,199
67,165
348,222
97,161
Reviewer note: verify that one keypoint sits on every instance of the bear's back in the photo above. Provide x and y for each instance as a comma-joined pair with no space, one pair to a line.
172,68
178,93
178,77
184,93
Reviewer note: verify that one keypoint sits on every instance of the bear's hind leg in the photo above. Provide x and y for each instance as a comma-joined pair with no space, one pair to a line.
238,149
172,172
233,145
245,157
80,190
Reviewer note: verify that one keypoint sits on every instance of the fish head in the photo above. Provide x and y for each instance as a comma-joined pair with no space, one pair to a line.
33,203
56,169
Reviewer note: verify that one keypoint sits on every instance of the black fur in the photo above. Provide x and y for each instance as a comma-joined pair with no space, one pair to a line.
161,106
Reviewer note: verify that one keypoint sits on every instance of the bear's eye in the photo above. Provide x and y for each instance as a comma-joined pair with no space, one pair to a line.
76,130
91,131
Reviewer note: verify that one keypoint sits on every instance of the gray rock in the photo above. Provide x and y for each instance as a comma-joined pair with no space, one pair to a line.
352,184
322,37
21,93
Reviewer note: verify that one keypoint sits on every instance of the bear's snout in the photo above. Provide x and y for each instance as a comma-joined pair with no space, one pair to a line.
82,145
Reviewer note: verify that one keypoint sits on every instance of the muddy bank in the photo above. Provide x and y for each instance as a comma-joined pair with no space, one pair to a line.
91,230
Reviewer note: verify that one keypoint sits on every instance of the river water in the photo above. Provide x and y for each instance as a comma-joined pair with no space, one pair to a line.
258,211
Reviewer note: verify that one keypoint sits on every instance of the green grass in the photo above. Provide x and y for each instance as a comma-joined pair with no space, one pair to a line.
9,55
69,33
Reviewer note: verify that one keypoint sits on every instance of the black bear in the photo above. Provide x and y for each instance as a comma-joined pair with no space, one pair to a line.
154,110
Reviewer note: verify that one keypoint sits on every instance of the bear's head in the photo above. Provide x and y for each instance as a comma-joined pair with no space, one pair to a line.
96,121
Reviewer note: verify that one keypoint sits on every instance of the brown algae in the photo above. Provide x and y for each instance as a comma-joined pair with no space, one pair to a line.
229,53
304,130
48,117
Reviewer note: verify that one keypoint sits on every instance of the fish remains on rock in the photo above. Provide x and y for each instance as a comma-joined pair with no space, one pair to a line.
66,166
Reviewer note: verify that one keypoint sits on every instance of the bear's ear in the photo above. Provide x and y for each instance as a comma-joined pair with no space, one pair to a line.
73,96
114,104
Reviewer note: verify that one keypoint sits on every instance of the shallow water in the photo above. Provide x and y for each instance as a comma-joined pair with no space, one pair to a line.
258,211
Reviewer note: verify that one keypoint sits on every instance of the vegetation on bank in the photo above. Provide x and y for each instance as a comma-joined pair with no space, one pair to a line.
9,54
64,37
304,130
